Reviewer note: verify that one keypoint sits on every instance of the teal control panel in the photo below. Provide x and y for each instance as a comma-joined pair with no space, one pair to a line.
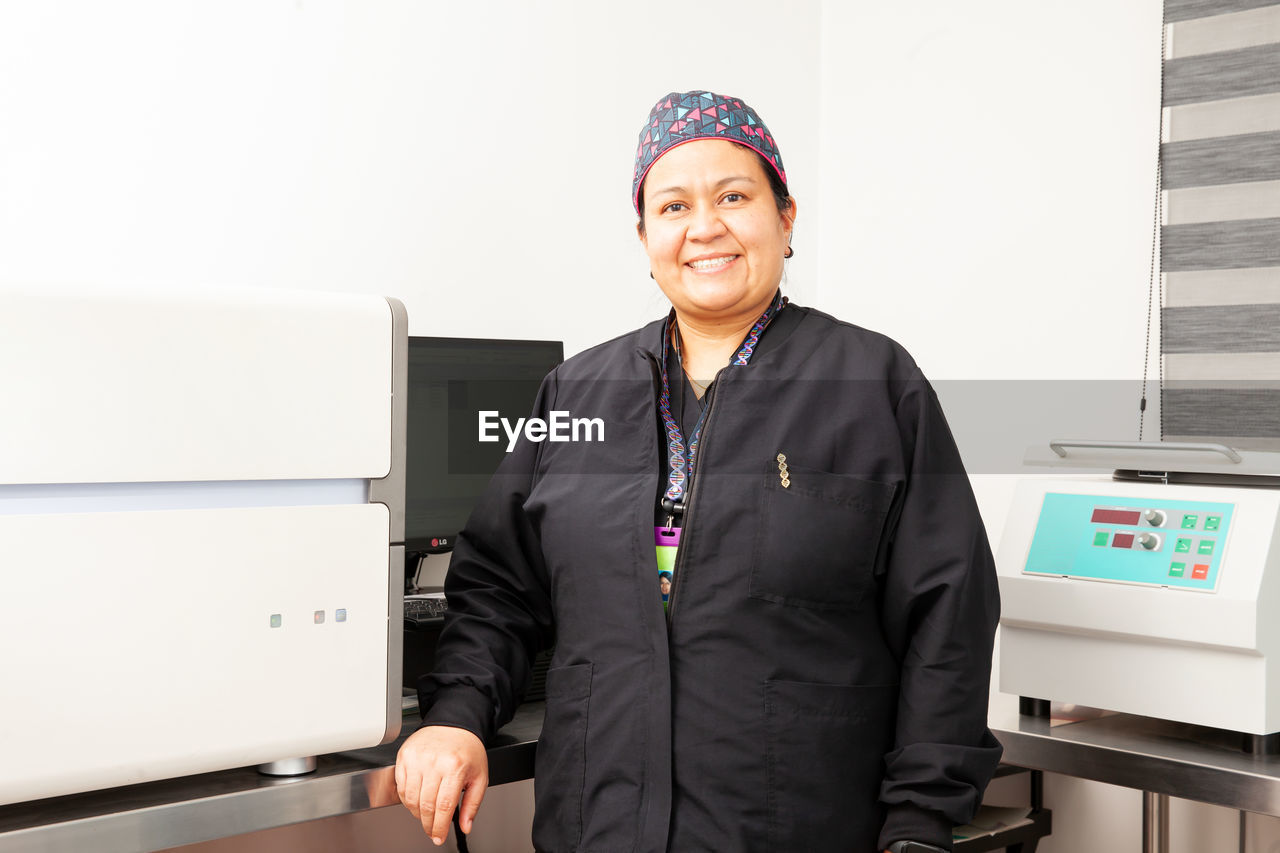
1161,542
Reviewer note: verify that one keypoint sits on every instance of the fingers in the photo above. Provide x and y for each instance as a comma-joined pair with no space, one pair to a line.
408,785
471,799
426,812
440,770
446,800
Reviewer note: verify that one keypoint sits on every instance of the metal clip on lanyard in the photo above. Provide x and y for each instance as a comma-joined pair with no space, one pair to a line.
673,501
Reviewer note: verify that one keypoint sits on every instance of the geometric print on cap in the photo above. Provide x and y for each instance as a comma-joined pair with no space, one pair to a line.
681,117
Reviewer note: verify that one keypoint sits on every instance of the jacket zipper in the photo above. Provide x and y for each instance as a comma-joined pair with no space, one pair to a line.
677,568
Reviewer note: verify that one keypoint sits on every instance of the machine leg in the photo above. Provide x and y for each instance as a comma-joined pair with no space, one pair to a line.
1262,744
1155,823
289,767
1029,707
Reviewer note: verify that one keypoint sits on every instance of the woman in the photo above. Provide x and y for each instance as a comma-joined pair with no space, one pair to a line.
818,679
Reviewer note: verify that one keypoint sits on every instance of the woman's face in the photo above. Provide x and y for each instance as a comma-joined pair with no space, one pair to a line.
712,229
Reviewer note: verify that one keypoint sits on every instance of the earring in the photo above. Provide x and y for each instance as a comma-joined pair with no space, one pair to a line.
789,252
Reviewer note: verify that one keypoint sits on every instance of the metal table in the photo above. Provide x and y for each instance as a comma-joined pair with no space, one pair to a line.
198,808
1158,757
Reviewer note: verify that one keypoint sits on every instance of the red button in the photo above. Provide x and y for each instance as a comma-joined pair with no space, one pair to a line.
1200,572
1122,540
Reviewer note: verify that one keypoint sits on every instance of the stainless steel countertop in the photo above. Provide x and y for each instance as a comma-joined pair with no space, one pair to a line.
1181,760
191,809
1136,752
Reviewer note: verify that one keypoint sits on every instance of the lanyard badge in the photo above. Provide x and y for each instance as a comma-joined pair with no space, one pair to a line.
666,539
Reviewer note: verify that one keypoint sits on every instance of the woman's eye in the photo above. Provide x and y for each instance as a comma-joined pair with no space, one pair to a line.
733,196
674,207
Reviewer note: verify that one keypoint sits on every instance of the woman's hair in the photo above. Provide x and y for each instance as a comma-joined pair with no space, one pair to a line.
781,197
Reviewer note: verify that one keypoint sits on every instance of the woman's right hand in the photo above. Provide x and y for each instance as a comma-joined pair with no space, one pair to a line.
437,766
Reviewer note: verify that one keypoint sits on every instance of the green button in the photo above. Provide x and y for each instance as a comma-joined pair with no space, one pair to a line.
1177,570
1205,546
1211,522
1189,522
1183,546
1101,538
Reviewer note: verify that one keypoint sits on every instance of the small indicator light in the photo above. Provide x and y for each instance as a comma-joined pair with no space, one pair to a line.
1100,538
319,617
340,615
275,620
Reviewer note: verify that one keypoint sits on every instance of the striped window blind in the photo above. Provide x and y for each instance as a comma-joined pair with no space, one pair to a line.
1220,238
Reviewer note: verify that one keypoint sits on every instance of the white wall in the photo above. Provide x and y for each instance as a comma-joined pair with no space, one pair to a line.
473,159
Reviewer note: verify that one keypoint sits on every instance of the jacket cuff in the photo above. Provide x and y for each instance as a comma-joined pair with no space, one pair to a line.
460,707
909,822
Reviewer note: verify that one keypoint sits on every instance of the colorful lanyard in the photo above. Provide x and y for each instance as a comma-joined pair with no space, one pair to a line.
676,476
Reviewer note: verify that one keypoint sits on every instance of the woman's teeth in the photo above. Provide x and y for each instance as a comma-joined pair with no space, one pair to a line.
712,263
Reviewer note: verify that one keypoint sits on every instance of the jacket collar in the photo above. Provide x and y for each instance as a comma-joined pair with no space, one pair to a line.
652,337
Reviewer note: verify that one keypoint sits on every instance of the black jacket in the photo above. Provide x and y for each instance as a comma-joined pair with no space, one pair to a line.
822,681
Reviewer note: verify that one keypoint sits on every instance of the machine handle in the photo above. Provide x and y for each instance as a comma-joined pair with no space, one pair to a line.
1187,446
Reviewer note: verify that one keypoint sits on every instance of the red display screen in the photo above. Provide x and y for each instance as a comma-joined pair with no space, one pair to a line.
1122,540
1115,516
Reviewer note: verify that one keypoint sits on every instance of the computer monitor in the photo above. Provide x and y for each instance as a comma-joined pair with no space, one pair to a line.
451,380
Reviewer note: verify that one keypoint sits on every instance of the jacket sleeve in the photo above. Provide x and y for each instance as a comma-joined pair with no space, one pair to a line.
499,613
940,607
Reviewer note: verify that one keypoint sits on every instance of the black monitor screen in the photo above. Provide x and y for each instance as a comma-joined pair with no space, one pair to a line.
452,380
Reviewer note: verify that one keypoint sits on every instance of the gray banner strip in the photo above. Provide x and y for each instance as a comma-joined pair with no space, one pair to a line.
1221,328
1225,160
1185,10
1221,412
1229,74
1257,114
1238,442
1235,244
1224,32
1252,200
1222,287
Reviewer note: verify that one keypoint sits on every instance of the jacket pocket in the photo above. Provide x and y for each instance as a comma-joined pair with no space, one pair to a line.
817,540
560,762
825,752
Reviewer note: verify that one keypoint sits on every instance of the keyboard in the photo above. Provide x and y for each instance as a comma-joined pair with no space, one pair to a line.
425,607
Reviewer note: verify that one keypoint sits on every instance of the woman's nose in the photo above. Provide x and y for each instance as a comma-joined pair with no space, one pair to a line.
705,223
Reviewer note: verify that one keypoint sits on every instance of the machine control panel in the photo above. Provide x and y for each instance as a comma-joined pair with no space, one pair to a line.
1169,543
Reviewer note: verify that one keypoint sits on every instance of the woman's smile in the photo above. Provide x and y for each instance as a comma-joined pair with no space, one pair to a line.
711,263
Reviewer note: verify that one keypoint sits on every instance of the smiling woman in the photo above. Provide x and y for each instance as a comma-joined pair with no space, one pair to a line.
799,657
715,238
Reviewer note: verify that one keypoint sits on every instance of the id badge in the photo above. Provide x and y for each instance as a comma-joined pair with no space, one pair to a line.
666,540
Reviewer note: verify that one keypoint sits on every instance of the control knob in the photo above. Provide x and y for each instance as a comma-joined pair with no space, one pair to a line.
1149,541
1154,517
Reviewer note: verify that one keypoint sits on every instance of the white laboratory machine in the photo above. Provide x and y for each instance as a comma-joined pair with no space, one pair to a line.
201,528
1153,590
